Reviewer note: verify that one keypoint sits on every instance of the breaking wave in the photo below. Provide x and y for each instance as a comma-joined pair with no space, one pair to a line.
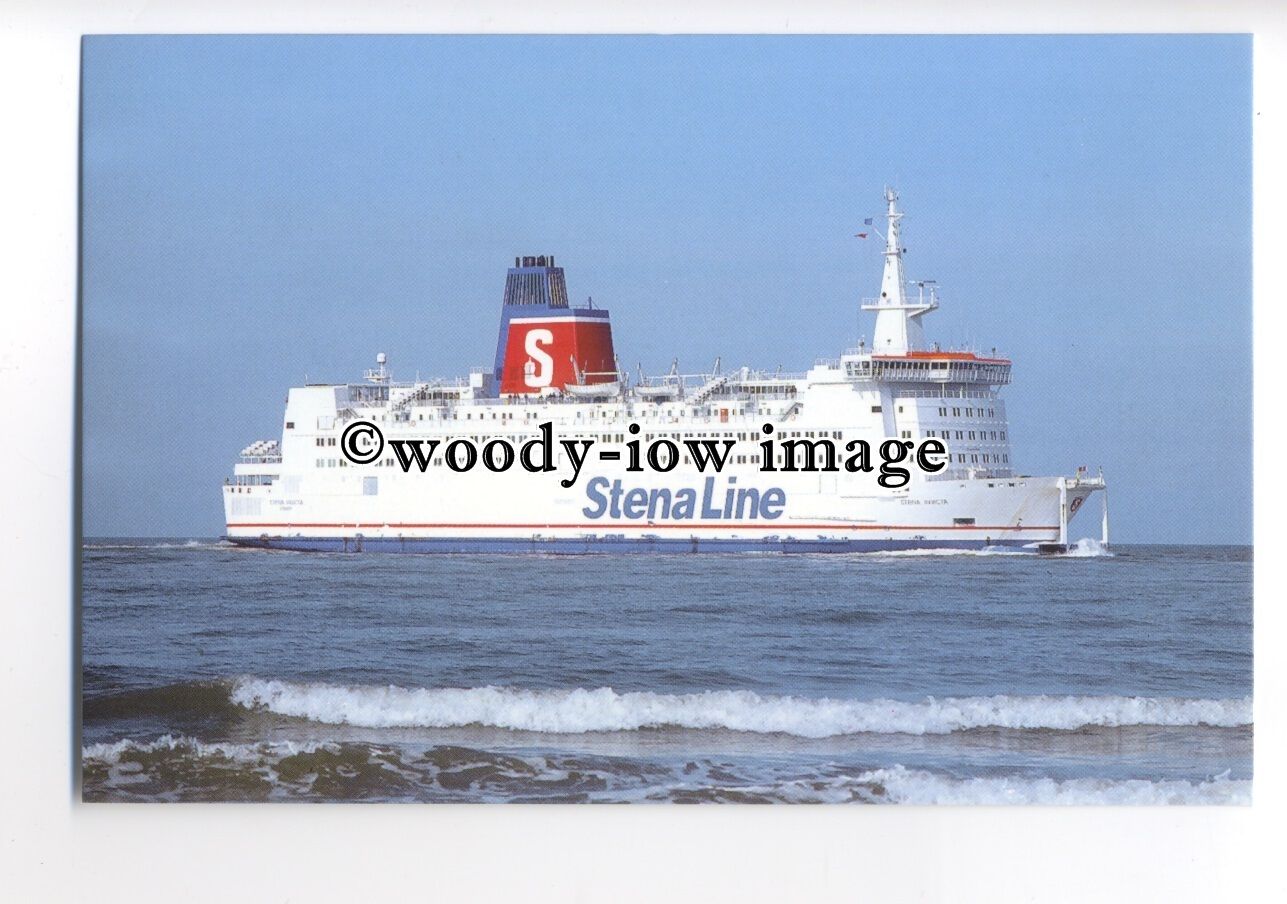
183,768
915,786
604,710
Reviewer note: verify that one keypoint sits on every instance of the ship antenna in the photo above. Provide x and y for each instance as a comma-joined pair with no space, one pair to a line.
892,290
898,320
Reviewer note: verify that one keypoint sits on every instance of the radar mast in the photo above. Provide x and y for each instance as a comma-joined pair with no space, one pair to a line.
898,321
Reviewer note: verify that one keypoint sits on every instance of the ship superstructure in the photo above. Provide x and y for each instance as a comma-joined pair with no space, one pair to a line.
556,364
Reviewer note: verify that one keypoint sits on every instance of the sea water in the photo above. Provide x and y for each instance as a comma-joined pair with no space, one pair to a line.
216,673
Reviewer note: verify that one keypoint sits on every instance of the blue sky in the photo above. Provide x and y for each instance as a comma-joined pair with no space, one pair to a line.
257,210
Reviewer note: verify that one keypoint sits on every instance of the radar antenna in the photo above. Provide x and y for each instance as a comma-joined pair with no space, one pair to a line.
380,373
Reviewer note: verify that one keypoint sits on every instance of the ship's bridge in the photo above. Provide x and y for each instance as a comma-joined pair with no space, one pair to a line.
928,366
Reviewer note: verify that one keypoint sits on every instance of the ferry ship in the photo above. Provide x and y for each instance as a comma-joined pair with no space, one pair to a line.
556,365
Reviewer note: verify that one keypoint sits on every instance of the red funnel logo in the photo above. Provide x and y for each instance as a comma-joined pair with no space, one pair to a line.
540,353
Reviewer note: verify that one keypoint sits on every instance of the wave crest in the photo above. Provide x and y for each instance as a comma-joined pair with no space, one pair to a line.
581,710
916,786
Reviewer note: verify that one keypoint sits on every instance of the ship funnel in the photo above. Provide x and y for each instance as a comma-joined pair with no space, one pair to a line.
542,340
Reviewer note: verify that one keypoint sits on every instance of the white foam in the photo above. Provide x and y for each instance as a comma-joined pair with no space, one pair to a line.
936,553
1087,548
894,784
909,786
186,544
241,753
603,709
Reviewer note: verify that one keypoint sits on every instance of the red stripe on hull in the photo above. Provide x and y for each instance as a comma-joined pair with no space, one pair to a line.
686,526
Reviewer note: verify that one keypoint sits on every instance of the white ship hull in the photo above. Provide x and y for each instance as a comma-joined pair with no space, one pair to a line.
443,511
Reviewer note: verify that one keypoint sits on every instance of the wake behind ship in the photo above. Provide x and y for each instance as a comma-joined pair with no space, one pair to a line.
556,365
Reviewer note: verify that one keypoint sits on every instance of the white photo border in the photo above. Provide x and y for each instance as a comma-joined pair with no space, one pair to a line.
54,848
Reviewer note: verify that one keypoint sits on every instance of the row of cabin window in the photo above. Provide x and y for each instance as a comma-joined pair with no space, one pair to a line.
737,459
947,434
974,458
649,437
559,460
744,437
969,412
533,415
985,457
253,480
405,416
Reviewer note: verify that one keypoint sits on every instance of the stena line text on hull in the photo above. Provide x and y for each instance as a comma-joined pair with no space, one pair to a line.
614,500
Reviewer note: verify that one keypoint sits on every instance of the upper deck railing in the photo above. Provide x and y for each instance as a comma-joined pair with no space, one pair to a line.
935,368
991,372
